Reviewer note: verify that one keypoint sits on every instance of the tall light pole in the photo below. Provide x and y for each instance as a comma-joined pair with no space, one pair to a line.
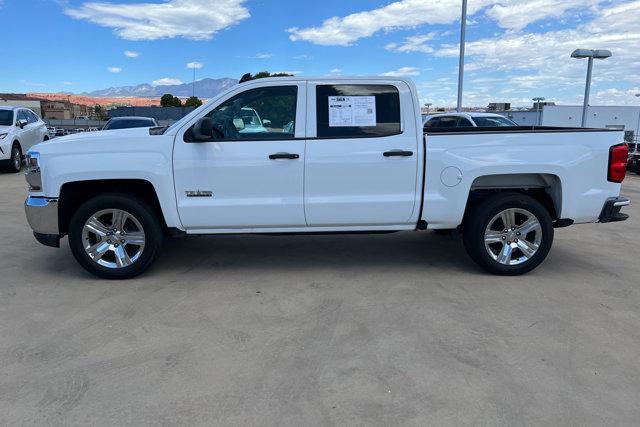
537,100
428,105
590,54
463,30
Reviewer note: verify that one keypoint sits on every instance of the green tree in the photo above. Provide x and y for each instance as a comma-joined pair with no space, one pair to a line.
193,101
169,100
100,112
261,75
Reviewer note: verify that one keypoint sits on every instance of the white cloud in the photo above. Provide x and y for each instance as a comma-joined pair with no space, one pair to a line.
262,56
344,31
166,81
191,19
68,83
114,70
513,15
303,56
413,44
131,53
517,14
336,70
34,84
402,72
293,73
545,56
195,65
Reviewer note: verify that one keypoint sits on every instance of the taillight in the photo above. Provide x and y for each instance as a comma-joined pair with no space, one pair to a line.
618,155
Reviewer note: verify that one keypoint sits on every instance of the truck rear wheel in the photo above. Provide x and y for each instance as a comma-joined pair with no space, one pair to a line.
508,233
115,236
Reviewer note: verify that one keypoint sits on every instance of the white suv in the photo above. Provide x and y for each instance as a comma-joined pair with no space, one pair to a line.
20,129
467,119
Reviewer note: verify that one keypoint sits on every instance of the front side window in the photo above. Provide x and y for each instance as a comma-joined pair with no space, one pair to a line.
22,115
491,121
6,117
357,111
464,123
261,113
32,118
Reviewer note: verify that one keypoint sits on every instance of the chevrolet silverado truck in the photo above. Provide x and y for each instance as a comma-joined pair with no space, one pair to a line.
331,156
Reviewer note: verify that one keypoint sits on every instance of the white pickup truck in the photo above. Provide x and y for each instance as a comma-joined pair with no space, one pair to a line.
332,155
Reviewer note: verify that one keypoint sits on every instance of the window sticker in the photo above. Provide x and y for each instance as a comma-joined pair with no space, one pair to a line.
352,111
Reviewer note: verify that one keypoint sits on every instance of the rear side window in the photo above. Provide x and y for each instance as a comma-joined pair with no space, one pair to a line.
357,111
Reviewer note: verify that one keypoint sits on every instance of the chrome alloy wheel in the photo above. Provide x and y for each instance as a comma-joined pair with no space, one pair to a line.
513,236
16,157
113,238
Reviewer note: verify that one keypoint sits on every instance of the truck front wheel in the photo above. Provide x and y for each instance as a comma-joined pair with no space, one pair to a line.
115,236
508,233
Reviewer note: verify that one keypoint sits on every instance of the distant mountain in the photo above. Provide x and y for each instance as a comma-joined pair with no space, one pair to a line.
205,88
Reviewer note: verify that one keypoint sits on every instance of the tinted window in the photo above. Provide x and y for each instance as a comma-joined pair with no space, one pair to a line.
22,115
448,122
382,120
6,117
31,116
433,123
493,121
261,113
128,123
463,122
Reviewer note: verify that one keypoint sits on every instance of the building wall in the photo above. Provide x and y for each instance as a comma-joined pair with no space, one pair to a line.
523,118
622,117
32,105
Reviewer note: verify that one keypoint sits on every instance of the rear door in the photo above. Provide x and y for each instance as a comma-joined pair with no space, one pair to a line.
250,173
361,161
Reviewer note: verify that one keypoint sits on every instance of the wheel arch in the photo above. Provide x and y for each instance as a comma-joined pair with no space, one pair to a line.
545,188
75,193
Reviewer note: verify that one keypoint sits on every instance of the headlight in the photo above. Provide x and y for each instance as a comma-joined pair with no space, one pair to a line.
33,175
3,135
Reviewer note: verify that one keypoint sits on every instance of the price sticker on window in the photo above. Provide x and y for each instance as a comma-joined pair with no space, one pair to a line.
357,111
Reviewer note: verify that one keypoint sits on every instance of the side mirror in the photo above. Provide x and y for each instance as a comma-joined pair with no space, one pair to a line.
204,130
266,123
238,123
21,123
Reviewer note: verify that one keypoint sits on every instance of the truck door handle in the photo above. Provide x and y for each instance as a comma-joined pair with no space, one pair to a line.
290,156
400,153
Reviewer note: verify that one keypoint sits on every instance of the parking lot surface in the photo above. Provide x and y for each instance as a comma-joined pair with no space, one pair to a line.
321,330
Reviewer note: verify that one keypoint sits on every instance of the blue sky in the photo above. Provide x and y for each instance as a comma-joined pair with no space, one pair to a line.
517,49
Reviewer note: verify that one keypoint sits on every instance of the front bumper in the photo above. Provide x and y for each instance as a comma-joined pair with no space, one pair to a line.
42,216
611,210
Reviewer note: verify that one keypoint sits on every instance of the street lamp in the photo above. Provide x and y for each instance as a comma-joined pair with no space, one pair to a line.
428,105
589,54
537,100
463,29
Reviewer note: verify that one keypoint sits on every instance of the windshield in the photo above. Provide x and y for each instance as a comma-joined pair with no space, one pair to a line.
6,117
491,121
128,123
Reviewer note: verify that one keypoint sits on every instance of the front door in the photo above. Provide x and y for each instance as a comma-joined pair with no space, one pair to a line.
362,154
250,173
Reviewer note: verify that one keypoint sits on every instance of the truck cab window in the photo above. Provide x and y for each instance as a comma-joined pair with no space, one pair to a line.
262,113
355,110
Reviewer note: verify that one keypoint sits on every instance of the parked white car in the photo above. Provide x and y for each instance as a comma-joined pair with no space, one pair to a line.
466,119
20,129
340,155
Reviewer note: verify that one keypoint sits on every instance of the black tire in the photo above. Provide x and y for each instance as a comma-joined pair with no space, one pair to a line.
15,164
484,211
146,217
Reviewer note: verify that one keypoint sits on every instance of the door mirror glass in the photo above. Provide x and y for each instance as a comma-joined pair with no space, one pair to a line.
204,130
238,123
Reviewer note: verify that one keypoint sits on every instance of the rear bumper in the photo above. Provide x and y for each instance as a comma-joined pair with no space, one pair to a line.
611,209
42,216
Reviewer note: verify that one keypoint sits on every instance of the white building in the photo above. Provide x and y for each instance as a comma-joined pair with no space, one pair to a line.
20,100
622,117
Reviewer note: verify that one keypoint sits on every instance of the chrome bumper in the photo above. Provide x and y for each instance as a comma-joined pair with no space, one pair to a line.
42,215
